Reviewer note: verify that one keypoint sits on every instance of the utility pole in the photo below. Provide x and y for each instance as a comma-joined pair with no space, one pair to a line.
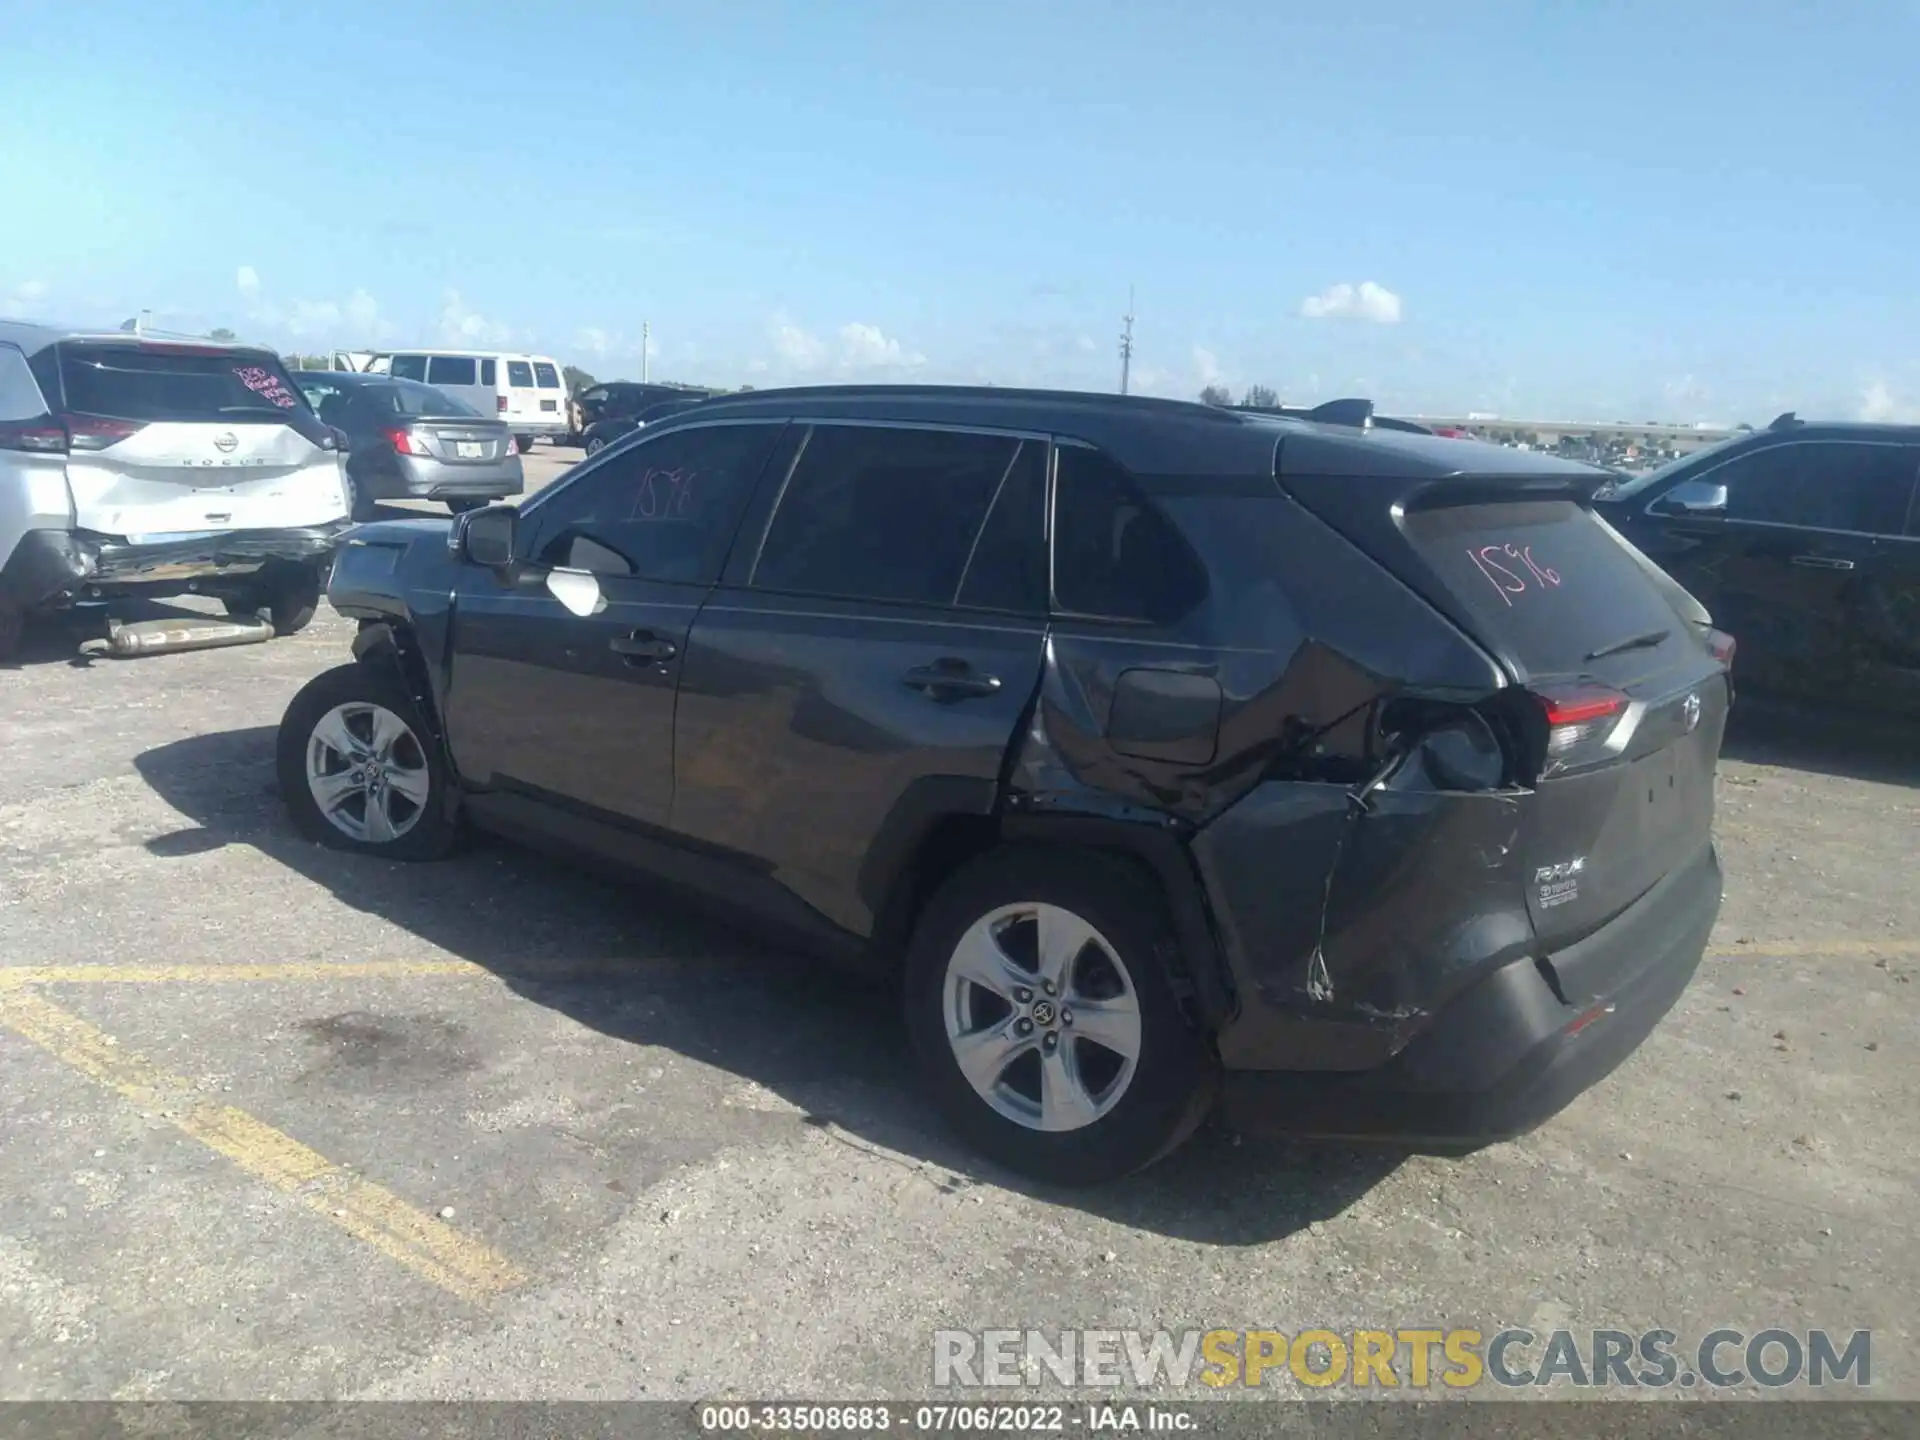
1126,343
646,335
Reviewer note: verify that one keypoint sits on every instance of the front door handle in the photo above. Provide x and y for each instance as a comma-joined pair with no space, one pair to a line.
643,646
1821,562
951,680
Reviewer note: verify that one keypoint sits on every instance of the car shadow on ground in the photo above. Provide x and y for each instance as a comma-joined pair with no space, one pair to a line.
646,966
1798,737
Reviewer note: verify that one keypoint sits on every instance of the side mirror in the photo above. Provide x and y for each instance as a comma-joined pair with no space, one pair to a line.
1695,497
486,537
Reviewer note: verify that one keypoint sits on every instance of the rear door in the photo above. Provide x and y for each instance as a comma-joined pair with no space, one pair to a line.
570,708
865,654
551,395
174,439
522,394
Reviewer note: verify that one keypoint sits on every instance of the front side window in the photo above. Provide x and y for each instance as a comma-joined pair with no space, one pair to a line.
1114,555
408,367
882,513
519,374
452,370
547,377
1822,485
665,510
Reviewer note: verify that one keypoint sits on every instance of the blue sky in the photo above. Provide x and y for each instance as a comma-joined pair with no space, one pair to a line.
1684,210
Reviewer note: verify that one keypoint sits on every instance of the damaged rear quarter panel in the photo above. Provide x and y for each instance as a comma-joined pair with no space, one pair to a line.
1342,927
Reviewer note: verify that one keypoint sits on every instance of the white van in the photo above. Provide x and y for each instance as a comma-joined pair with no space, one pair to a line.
526,391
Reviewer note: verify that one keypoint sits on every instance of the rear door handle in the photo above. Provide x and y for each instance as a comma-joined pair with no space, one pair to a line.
951,680
643,645
1821,562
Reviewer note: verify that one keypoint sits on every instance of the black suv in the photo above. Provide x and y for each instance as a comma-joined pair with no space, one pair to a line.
622,400
1154,748
1804,542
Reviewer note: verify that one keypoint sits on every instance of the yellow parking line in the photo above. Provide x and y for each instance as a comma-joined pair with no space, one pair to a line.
1818,949
18,976
429,1247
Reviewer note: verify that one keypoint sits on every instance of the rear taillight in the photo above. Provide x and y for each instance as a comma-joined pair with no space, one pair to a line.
43,436
406,442
97,432
1582,721
500,404
1722,645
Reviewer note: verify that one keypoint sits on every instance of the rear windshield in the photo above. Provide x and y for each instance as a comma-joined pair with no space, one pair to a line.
1545,581
548,377
519,374
413,399
158,382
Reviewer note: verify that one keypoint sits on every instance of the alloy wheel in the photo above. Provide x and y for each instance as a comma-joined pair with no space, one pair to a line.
1042,1017
367,772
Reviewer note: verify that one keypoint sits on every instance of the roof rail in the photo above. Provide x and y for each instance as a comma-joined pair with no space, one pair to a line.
1785,421
1101,398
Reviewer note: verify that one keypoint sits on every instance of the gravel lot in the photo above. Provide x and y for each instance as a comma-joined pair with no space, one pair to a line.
278,1122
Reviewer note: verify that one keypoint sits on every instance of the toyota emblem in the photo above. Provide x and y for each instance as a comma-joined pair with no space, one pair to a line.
225,441
1690,711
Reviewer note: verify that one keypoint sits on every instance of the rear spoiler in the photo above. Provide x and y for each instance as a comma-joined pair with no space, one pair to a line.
1352,412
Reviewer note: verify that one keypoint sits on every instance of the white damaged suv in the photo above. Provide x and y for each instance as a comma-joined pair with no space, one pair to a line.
136,465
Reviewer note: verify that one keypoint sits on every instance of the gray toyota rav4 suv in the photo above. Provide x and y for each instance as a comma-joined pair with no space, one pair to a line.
1157,752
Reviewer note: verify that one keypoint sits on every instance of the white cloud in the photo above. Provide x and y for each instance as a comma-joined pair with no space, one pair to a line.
25,298
857,348
1365,301
1086,344
1879,403
460,325
247,280
1206,365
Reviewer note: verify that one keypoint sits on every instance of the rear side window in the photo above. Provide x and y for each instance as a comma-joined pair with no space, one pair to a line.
1831,485
452,370
20,397
876,513
408,367
488,374
1008,570
1114,555
546,375
664,510
159,383
519,374
1544,580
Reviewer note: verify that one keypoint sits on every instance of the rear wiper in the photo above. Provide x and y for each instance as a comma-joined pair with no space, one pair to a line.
1632,642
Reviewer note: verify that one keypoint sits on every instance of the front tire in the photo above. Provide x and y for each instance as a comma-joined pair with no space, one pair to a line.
360,771
595,444
524,442
13,632
1089,1080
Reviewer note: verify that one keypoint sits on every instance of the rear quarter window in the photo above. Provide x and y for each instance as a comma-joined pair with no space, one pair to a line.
1545,581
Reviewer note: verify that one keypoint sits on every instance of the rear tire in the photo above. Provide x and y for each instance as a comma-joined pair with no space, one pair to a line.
364,507
288,595
524,442
1075,1110
13,631
595,445
353,736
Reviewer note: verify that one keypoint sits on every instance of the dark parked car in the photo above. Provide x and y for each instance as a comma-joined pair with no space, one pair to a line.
1803,541
622,400
409,441
1156,748
603,433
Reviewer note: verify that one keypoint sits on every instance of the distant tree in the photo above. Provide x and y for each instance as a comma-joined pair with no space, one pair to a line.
1261,396
221,334
1216,395
576,378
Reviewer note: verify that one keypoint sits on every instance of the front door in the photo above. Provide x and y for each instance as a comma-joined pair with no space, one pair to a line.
562,694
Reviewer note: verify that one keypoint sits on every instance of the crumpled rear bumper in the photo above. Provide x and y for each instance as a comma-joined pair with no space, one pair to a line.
49,566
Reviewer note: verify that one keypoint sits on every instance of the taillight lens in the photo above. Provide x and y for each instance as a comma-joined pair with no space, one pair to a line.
1582,721
43,436
97,432
500,404
406,442
1722,645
